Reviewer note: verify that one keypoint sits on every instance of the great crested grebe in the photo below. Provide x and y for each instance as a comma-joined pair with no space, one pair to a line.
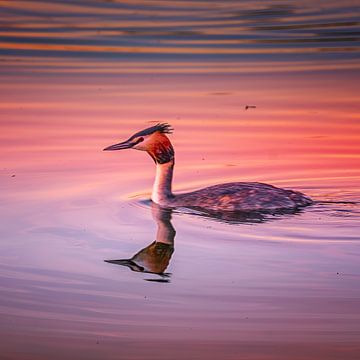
233,197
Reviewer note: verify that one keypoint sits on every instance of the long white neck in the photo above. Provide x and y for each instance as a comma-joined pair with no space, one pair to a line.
161,192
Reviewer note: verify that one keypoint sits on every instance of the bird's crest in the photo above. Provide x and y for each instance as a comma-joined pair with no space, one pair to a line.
164,128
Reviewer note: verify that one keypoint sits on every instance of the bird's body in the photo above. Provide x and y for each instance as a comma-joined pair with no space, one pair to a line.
241,196
228,197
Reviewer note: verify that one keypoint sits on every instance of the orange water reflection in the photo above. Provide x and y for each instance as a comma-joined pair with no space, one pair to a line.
78,77
302,130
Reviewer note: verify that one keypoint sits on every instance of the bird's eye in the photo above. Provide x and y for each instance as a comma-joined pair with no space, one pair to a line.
139,140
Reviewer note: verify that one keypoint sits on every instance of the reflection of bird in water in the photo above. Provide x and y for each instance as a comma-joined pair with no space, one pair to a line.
234,197
154,258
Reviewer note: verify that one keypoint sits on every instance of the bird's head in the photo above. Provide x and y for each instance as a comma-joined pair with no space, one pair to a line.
153,140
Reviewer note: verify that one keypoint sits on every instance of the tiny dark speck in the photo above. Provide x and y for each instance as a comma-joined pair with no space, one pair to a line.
13,175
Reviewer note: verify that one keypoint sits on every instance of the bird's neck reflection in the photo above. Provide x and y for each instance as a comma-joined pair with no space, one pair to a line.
154,258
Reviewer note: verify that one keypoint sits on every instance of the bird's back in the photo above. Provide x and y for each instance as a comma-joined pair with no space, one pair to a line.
242,196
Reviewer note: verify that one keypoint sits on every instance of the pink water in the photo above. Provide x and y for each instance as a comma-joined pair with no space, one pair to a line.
286,288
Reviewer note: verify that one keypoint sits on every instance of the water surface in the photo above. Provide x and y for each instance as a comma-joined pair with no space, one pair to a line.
78,77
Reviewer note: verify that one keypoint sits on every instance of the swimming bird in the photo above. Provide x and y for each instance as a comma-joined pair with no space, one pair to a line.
228,197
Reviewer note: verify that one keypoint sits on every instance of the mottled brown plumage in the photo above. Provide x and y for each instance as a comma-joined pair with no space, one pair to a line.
242,196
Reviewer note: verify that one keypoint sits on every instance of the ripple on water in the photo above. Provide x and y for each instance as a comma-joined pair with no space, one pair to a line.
77,76
309,224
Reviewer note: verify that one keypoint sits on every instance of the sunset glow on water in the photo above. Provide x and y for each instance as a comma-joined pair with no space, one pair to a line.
264,91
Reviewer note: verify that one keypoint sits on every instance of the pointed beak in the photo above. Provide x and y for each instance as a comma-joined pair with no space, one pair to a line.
120,146
127,262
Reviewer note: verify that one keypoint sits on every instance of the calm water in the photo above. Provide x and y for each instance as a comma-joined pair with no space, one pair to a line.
79,76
